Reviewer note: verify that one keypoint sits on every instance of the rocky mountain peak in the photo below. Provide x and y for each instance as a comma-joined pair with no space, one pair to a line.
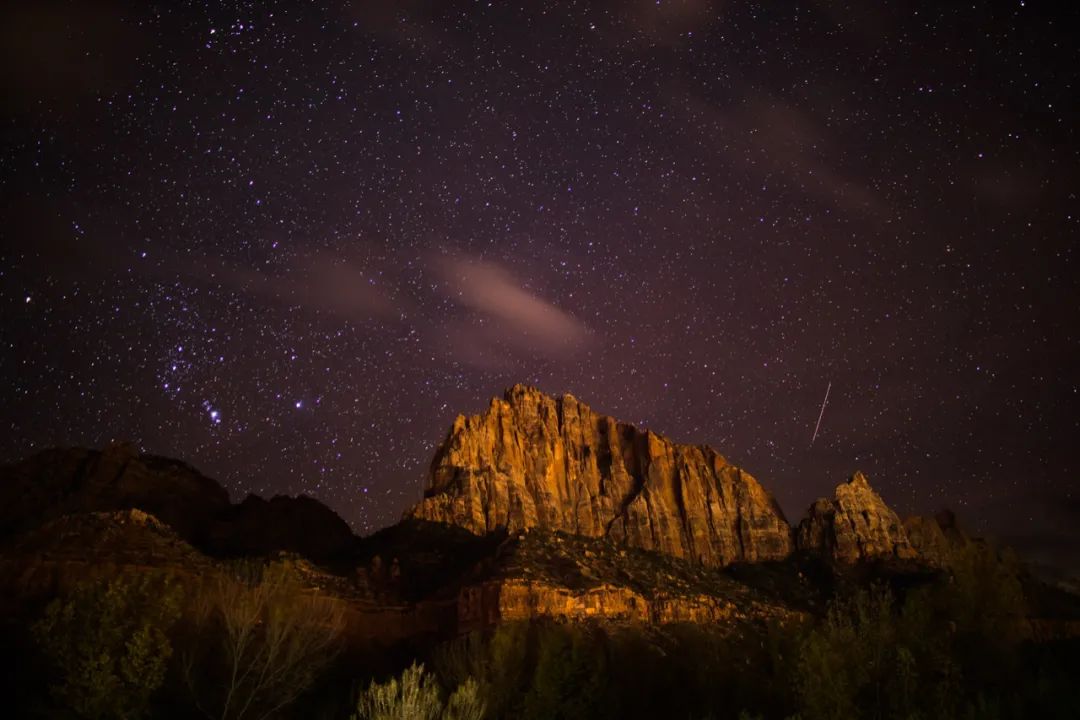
855,525
534,460
860,480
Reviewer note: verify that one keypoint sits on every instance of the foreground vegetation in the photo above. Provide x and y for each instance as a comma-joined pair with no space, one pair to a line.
253,642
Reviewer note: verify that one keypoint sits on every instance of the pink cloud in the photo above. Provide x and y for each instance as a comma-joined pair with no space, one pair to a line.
505,315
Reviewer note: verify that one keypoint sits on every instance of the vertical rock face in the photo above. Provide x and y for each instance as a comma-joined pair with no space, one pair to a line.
855,525
532,460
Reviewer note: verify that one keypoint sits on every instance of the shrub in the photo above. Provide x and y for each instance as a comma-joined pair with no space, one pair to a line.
465,703
496,663
415,696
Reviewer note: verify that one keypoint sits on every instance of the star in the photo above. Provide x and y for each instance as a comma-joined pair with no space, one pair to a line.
695,221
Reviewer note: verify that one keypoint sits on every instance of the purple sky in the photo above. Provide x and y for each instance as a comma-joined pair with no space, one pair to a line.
288,246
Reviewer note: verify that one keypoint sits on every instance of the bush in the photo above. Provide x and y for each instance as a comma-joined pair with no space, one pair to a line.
416,697
109,643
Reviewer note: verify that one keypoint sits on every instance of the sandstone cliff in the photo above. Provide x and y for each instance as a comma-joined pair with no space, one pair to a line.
606,523
535,574
855,525
532,460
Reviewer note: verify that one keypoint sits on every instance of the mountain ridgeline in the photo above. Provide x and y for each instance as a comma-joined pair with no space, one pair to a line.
529,462
536,461
560,564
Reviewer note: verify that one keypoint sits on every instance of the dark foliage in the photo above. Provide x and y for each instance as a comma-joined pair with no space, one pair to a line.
108,646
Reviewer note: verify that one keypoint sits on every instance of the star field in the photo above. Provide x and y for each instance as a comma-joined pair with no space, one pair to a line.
289,242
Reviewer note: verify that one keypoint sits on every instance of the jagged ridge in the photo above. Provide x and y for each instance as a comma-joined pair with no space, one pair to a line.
856,525
58,482
532,460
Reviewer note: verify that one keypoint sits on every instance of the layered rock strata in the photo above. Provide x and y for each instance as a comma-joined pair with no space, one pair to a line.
492,602
532,460
536,574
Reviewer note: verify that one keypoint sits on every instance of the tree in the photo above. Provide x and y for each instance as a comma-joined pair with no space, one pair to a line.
985,601
569,679
109,643
938,655
858,663
261,640
496,663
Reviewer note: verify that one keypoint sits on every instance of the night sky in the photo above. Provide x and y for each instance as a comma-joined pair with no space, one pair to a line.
289,242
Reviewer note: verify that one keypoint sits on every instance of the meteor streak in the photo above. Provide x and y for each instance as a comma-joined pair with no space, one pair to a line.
821,414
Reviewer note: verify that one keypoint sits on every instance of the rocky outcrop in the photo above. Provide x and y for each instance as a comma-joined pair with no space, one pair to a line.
855,525
936,540
74,549
59,482
65,482
537,574
601,522
532,460
124,537
492,602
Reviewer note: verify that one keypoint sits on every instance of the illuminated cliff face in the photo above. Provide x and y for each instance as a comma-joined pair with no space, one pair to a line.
532,460
855,525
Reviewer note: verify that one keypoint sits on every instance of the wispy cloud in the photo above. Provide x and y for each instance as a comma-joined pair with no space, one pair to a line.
320,283
335,286
473,311
779,139
774,140
502,315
